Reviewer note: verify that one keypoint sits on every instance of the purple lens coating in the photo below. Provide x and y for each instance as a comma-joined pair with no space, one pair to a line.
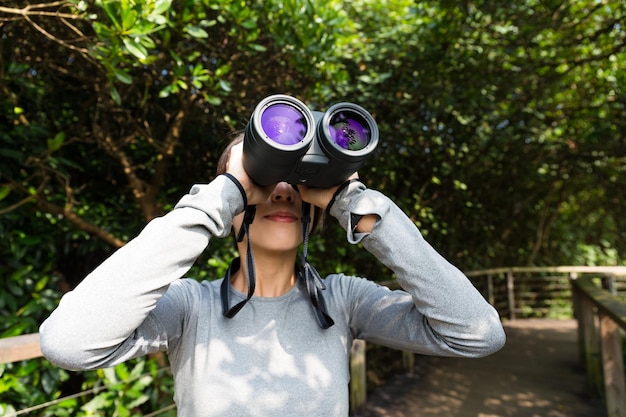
284,124
349,131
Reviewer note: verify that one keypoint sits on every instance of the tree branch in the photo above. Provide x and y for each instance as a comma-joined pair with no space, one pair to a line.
67,212
172,140
31,10
79,222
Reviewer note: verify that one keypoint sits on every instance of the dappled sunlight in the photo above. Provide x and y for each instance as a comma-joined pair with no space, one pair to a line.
536,374
263,372
525,403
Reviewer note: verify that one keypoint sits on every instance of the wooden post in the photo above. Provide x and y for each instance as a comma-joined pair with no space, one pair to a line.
576,304
613,365
358,376
580,325
608,283
591,347
510,290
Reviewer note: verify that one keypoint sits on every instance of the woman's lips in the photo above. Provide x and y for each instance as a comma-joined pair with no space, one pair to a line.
282,217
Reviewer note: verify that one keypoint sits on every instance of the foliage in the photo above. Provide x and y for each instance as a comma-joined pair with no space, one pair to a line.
129,389
502,133
496,120
29,292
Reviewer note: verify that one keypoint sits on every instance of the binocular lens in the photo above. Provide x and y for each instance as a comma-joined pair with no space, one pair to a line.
286,141
284,124
349,130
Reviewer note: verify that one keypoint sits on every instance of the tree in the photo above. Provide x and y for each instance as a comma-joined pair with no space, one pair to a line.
496,119
502,125
113,110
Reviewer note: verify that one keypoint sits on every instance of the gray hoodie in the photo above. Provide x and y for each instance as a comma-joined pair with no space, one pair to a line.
272,358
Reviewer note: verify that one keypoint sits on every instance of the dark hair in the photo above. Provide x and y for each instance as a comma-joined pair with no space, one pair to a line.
237,138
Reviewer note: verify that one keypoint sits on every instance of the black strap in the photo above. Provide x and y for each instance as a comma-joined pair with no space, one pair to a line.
227,310
312,279
336,193
248,218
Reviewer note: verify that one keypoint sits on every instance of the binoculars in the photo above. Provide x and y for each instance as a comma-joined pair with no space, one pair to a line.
285,141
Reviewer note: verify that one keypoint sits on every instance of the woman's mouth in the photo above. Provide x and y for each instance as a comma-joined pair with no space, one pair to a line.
282,217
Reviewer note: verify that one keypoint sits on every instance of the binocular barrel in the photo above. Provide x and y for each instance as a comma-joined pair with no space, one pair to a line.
286,141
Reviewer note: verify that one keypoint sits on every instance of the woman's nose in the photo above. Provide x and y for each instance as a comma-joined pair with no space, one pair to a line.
283,192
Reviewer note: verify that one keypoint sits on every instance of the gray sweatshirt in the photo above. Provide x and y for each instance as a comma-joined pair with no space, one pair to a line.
272,358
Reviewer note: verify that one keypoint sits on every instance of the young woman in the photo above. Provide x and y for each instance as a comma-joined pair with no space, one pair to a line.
270,338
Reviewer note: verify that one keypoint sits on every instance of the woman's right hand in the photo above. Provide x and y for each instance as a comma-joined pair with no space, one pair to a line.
254,193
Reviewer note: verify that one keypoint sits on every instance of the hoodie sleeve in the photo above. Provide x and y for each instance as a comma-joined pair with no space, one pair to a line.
438,312
98,323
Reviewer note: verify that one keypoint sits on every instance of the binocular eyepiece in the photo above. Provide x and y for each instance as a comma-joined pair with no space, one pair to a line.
285,141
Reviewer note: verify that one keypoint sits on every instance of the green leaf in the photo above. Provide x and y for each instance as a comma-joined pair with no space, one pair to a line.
48,382
177,58
4,191
18,329
122,76
216,101
135,48
208,23
15,289
249,24
99,402
222,70
196,32
138,401
165,92
111,373
198,69
162,6
137,370
110,7
147,42
225,85
55,143
129,17
115,95
257,47
121,373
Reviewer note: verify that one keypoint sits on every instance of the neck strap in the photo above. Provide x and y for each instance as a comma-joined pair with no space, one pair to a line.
313,281
227,310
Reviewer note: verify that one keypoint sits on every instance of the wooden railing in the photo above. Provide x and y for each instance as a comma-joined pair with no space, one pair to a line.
516,292
522,292
601,323
598,303
19,348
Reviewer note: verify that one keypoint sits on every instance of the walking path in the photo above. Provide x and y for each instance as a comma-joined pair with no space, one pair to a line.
536,374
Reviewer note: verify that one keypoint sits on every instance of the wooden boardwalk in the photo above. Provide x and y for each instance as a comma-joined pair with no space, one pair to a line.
536,374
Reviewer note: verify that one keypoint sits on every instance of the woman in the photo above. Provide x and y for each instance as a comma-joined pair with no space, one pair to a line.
269,339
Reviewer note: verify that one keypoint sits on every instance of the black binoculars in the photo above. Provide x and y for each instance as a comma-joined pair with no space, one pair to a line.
286,141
